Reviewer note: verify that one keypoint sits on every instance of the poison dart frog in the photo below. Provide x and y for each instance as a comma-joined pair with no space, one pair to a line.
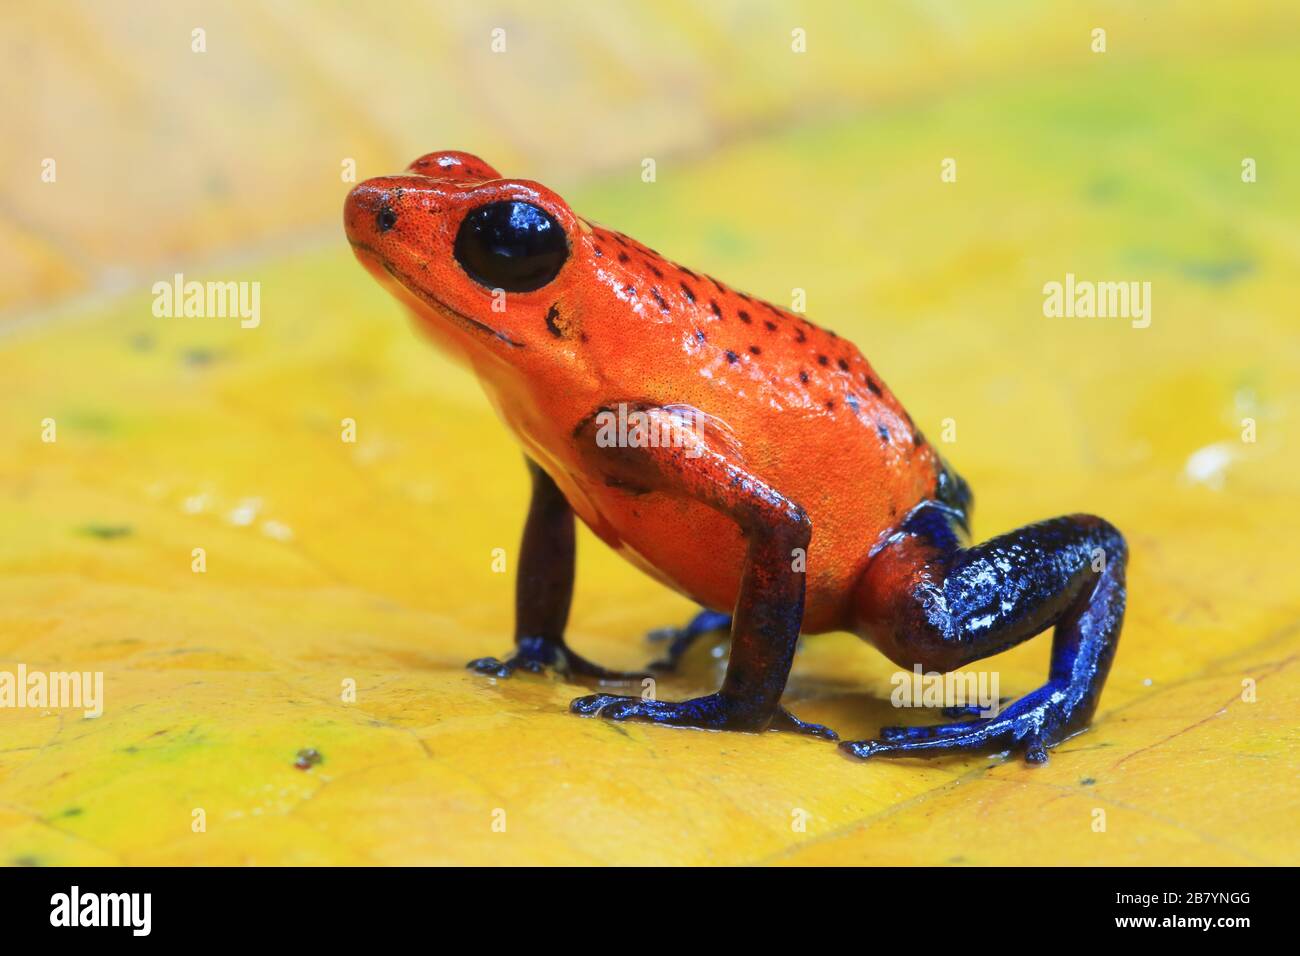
796,495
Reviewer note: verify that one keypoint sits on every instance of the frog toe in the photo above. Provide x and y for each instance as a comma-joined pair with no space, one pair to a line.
711,712
619,707
536,656
494,667
1031,726
592,704
786,721
973,735
890,734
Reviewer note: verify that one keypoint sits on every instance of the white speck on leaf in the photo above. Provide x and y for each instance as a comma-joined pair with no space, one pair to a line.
1207,465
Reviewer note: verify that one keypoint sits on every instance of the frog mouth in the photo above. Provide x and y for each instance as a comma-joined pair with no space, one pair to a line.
432,300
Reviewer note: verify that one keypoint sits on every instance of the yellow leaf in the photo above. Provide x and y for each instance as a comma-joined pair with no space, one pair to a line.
333,565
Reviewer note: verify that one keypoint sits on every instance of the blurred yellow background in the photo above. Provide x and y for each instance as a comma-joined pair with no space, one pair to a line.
372,562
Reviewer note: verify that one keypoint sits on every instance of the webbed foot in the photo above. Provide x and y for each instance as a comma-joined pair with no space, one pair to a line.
712,712
537,654
1031,725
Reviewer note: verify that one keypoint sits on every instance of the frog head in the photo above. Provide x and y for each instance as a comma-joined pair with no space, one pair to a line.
491,266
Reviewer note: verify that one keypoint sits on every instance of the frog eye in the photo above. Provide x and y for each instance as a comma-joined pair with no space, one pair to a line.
511,245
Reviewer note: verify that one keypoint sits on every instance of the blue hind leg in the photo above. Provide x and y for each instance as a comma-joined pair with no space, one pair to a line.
934,603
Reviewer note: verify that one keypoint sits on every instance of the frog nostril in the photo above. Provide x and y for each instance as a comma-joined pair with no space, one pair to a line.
386,219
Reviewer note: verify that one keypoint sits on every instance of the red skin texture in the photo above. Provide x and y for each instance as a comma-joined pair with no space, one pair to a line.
630,333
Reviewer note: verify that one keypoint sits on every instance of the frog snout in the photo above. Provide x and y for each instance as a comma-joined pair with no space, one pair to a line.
370,210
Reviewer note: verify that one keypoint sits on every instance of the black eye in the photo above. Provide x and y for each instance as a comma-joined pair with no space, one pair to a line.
511,245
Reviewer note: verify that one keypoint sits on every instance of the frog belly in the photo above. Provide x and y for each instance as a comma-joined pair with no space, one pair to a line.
700,553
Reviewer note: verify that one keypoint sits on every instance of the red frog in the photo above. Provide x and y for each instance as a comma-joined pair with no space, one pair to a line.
768,472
